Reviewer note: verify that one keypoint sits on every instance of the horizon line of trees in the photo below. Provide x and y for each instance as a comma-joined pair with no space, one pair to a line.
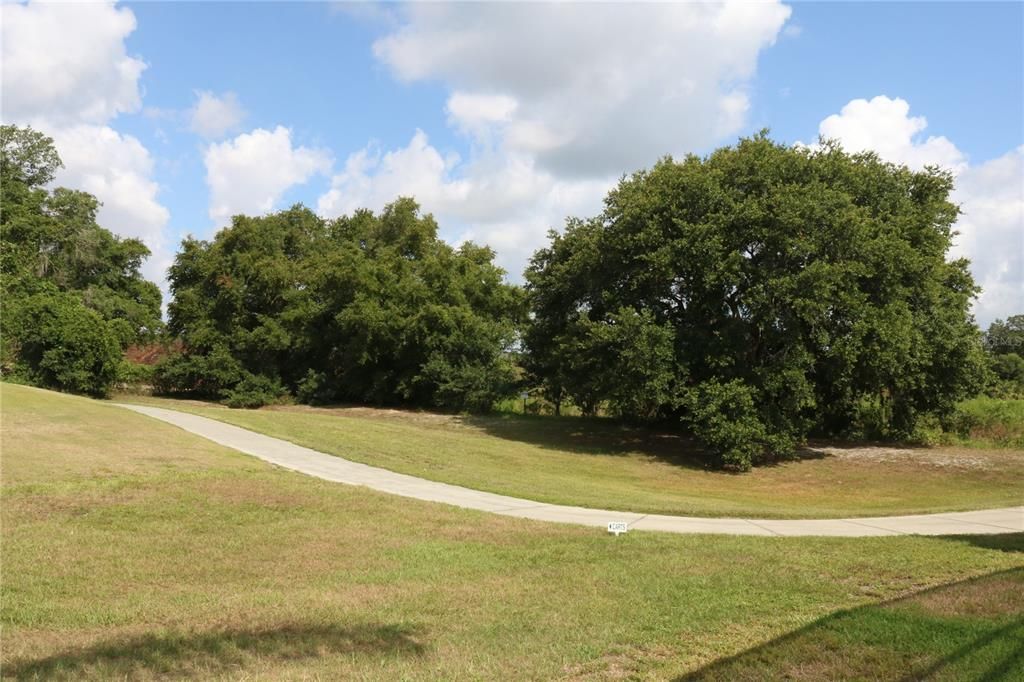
751,297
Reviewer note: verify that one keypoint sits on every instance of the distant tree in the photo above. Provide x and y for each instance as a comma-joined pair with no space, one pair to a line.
367,307
58,266
758,294
1004,342
1005,337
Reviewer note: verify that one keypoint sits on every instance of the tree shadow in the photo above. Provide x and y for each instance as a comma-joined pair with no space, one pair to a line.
188,654
606,436
1003,542
973,629
592,436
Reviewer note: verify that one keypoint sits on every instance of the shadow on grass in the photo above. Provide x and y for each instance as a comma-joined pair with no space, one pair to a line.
592,436
971,629
188,654
1005,542
604,436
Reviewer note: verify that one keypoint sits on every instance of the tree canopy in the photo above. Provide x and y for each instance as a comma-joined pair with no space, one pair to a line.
759,294
1004,342
755,296
72,292
369,308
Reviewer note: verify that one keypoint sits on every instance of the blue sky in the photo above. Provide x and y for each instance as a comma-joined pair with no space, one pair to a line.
504,119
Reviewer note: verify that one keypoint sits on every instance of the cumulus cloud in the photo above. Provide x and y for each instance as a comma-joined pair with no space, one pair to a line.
215,115
65,64
990,194
557,101
117,169
66,72
498,199
591,89
251,172
885,126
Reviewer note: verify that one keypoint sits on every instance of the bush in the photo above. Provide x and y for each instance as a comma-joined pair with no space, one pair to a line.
314,388
55,341
723,417
254,391
207,376
472,387
134,376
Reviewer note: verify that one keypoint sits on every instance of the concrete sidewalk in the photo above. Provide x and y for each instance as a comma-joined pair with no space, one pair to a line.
331,468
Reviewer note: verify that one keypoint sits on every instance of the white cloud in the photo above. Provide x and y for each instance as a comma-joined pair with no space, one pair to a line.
498,199
597,89
475,114
991,194
65,64
117,169
885,126
66,72
557,101
250,173
213,115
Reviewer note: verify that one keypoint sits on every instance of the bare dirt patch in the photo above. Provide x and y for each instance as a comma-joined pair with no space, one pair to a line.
941,458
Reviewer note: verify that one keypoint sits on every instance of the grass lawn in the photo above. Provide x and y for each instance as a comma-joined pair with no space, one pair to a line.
597,463
132,549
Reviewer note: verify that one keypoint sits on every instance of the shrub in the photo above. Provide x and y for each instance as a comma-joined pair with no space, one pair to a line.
723,417
254,391
208,376
134,376
56,341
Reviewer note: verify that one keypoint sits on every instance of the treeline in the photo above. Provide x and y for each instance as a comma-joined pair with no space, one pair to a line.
366,308
752,297
72,295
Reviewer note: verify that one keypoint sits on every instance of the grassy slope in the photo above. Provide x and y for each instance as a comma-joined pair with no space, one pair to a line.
133,549
603,465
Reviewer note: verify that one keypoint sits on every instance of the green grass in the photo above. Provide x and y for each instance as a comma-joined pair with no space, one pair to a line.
991,422
134,550
968,630
598,463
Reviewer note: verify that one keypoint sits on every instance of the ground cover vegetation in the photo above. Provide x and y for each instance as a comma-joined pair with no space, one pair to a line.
135,550
751,298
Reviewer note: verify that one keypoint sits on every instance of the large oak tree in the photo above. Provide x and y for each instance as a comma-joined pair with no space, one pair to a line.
758,294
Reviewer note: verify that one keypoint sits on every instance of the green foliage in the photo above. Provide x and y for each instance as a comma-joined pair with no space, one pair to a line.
1005,337
784,285
988,422
365,308
205,376
56,263
51,339
723,417
134,374
253,391
1004,342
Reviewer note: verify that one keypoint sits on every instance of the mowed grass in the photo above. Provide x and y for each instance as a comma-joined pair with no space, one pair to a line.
134,550
601,464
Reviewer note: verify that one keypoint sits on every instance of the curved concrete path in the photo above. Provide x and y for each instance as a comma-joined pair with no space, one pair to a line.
331,468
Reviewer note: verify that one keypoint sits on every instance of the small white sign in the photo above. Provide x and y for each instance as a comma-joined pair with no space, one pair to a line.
524,396
617,527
